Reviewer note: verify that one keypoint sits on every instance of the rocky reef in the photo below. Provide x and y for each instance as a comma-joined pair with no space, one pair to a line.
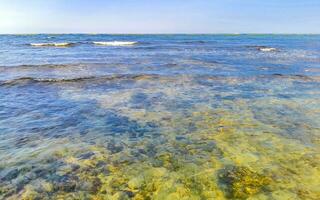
241,182
234,148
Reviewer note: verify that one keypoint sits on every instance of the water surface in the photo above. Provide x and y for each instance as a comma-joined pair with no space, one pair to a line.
160,117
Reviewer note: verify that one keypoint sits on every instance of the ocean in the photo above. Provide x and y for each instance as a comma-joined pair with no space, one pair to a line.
159,116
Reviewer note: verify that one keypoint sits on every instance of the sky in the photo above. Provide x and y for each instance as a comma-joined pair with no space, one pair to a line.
159,16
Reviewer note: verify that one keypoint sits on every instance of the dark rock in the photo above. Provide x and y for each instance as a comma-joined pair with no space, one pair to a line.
114,148
180,137
129,193
75,167
96,184
68,186
11,175
86,155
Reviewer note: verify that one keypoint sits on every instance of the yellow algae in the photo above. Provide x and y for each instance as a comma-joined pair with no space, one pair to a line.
283,195
265,165
242,182
47,187
192,155
135,183
29,193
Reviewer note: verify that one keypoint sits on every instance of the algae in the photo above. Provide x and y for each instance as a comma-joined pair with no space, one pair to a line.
214,147
242,182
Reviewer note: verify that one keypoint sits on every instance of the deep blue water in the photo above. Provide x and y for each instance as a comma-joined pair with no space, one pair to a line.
159,118
231,55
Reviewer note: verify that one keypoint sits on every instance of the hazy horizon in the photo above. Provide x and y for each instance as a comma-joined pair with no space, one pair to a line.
159,17
231,34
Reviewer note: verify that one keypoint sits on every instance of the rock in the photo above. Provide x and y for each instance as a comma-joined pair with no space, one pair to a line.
242,182
96,185
129,193
11,175
66,186
65,183
86,155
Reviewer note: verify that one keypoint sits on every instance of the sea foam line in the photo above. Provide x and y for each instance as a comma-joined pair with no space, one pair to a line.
59,44
267,49
116,43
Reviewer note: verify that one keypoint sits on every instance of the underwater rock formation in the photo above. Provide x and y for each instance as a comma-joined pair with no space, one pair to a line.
241,182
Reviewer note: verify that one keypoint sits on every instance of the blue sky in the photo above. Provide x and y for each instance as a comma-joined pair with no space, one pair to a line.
160,16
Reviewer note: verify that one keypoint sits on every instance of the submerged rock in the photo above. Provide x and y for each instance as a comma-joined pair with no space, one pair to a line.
10,175
242,182
86,155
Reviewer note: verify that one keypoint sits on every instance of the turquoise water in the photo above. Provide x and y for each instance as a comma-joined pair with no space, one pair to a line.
159,117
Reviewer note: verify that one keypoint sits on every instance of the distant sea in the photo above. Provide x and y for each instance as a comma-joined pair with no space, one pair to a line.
159,116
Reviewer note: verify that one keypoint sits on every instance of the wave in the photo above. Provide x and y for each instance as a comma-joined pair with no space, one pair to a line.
24,80
44,80
194,42
116,43
267,49
152,77
36,67
58,44
264,48
26,66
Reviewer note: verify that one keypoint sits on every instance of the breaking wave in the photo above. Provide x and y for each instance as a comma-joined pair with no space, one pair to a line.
264,48
58,44
116,43
267,49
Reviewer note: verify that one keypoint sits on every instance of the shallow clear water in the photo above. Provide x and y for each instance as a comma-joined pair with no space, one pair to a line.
169,117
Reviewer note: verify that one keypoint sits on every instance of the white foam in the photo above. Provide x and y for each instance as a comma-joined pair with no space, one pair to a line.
267,49
116,43
61,44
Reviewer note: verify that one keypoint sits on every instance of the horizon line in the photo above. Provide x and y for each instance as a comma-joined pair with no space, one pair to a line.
103,33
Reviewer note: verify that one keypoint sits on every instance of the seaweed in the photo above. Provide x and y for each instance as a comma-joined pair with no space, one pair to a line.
241,182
